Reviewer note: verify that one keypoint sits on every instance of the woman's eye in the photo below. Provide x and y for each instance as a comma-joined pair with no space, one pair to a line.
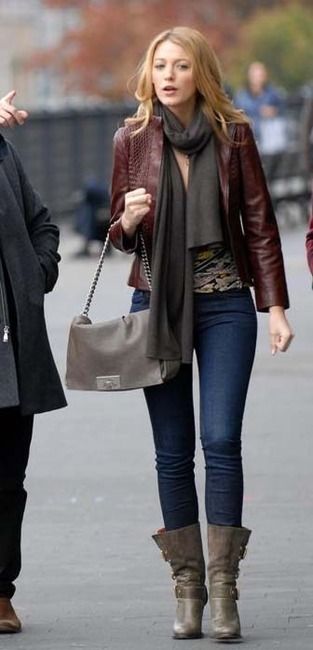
159,66
183,66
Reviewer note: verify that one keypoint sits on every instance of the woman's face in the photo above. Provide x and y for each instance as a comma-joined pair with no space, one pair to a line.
173,81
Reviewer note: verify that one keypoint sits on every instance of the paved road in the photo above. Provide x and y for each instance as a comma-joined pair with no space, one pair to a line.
92,577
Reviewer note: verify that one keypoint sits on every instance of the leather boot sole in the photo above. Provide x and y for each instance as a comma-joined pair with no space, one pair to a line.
227,639
187,636
8,629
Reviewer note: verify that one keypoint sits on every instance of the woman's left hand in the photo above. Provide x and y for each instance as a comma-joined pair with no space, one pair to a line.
281,333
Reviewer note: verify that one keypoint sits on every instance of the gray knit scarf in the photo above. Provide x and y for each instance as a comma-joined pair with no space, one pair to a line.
184,221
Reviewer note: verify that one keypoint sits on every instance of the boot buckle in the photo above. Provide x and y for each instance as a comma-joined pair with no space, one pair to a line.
234,592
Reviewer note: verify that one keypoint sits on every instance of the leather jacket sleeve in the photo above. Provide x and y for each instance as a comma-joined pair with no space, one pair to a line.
120,185
309,245
260,228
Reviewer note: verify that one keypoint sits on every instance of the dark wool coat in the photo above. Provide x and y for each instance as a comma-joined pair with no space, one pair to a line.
28,245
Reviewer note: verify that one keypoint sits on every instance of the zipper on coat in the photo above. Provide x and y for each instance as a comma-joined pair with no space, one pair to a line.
6,328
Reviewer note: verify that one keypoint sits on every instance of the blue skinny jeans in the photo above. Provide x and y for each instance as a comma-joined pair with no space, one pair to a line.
225,329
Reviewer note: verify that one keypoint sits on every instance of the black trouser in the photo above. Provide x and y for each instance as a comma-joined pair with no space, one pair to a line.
15,438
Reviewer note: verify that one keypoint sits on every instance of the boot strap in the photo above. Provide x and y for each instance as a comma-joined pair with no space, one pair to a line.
242,552
224,591
192,592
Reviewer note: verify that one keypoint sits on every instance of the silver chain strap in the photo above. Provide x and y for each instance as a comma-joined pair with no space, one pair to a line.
145,260
146,266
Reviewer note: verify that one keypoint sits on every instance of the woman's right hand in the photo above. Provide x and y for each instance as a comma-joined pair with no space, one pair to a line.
137,205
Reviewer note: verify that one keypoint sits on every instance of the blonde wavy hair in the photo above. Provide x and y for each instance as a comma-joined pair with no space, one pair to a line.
212,97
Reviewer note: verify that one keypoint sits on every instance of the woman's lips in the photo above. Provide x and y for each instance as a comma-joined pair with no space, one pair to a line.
169,91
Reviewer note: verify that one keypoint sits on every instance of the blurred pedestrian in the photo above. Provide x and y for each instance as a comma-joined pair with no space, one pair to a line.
29,381
264,104
92,215
306,133
187,175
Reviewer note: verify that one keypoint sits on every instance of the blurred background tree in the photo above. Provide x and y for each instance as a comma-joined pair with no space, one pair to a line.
98,55
244,8
281,38
101,53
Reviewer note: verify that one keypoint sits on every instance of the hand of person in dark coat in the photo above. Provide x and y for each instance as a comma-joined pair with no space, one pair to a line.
11,116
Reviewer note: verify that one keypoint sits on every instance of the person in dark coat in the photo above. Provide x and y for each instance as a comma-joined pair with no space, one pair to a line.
29,381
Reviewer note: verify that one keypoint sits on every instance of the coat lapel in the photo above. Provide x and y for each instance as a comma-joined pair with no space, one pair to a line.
3,148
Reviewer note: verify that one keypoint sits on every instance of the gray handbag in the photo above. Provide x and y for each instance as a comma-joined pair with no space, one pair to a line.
111,355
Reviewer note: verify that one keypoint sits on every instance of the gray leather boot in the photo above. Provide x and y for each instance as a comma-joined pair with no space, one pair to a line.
227,546
182,548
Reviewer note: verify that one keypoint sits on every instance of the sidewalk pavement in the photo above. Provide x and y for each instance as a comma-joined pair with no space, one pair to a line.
92,577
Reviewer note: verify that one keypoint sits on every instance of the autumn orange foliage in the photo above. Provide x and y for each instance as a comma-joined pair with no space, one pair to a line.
101,54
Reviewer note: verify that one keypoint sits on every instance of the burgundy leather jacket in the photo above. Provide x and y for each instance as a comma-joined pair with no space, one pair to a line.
309,243
248,220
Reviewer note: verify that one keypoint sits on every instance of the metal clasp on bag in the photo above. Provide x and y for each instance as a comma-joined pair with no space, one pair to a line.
109,382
